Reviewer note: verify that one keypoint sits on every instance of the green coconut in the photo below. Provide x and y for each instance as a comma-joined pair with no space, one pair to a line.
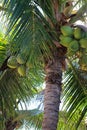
78,33
74,45
83,62
65,41
21,59
12,62
83,43
22,70
67,30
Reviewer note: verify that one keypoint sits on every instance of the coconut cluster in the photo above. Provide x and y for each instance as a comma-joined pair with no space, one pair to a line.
75,39
18,63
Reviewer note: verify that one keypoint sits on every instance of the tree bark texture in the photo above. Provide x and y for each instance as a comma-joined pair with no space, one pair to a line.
52,93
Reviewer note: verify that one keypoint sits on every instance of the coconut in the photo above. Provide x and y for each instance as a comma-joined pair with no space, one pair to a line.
12,62
22,70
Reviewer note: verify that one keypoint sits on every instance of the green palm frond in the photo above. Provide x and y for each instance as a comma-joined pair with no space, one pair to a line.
15,92
3,48
81,12
2,54
14,89
75,94
29,28
29,118
81,116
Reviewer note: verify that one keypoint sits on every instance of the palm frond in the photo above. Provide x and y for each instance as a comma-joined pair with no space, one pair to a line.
3,48
29,29
81,116
75,94
29,118
81,12
16,93
13,90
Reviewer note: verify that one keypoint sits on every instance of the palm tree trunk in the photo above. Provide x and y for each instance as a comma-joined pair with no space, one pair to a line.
52,93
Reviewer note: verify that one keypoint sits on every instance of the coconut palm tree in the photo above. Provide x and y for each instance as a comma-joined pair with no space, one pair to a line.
34,28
